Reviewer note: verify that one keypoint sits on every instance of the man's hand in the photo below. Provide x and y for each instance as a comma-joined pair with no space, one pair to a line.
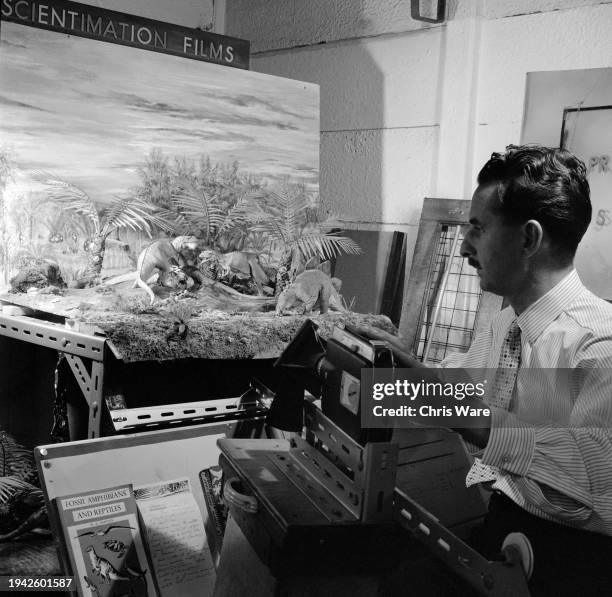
402,357
478,432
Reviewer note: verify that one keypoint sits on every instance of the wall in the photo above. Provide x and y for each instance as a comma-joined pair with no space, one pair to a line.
187,13
562,40
410,110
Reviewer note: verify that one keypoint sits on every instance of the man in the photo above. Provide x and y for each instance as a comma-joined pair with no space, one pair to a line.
545,450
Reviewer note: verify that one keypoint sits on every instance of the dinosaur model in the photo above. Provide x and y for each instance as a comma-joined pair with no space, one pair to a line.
164,255
236,266
311,289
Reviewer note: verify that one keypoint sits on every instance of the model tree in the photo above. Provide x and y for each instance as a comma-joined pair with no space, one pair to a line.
131,212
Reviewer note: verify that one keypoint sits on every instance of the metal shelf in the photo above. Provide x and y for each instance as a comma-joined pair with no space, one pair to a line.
52,335
86,354
77,346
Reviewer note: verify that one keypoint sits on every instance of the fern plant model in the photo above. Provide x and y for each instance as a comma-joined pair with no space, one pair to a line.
293,227
129,212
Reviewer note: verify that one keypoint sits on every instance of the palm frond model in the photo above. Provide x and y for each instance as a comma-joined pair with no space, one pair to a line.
285,222
232,232
220,224
130,212
198,207
326,245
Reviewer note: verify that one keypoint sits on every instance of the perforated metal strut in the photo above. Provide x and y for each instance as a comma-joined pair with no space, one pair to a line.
490,579
360,478
52,335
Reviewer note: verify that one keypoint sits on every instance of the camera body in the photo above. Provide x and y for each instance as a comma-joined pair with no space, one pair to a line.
330,370
347,354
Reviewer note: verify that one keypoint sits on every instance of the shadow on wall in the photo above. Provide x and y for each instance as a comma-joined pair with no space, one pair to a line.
371,171
358,150
352,182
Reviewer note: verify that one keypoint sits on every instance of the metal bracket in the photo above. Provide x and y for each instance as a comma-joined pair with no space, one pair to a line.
204,411
415,12
92,387
489,579
344,489
308,480
362,479
76,346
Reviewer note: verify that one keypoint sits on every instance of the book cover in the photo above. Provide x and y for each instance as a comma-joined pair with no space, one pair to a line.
104,543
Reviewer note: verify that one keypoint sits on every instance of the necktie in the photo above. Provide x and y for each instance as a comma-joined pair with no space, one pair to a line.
501,395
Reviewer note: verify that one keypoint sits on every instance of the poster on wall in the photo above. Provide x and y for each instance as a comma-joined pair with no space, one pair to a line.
95,137
587,132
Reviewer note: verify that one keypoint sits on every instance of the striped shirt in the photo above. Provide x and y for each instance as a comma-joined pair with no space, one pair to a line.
553,444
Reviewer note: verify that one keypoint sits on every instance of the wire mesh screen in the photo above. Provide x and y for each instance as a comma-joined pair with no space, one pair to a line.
448,313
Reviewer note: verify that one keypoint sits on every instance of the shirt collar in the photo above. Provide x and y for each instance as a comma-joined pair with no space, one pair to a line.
534,320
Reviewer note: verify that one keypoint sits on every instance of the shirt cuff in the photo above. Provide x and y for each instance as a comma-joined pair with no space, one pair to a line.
472,449
511,444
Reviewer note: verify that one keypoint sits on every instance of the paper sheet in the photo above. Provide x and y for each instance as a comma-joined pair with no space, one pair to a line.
176,538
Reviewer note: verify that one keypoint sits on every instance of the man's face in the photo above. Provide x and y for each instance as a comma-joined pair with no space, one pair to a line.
493,246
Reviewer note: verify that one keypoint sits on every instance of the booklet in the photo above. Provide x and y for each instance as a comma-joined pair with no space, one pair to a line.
146,541
104,543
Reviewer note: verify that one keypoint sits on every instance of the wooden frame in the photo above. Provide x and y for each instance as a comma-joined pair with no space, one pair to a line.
435,214
563,142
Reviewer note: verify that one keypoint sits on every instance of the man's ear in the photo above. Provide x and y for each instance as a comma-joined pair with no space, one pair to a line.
533,235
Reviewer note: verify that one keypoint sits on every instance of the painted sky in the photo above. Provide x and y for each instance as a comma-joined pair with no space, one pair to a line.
89,112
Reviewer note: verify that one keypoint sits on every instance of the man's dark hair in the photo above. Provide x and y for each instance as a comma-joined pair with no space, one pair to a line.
545,184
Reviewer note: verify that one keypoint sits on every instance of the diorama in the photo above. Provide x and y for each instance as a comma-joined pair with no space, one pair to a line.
164,213
154,197
160,220
164,255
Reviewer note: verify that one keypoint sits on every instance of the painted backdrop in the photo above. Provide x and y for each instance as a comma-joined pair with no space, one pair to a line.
110,122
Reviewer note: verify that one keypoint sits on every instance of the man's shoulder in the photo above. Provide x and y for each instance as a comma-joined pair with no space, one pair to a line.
591,313
587,324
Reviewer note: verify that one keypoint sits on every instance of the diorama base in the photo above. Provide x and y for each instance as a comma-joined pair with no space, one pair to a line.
209,324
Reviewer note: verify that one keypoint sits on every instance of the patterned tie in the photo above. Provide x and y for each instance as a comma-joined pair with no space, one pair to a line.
501,395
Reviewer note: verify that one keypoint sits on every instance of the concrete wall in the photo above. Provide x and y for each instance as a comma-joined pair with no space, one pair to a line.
410,110
187,13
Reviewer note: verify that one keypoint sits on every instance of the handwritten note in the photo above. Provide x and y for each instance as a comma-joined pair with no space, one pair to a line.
177,540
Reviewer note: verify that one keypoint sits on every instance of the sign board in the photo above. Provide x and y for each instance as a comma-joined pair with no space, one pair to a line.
93,22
